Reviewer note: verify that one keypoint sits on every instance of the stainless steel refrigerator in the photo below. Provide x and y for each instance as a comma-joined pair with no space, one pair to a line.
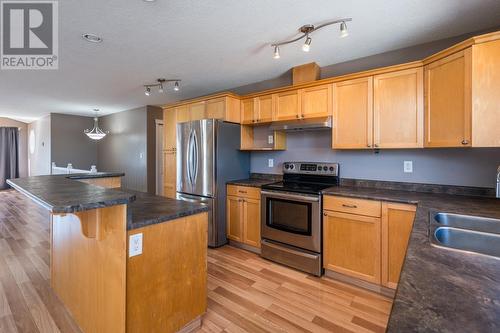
208,156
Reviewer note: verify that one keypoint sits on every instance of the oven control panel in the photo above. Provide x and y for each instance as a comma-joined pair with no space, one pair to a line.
311,168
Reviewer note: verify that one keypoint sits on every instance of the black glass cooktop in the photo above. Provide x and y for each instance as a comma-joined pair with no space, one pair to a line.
298,187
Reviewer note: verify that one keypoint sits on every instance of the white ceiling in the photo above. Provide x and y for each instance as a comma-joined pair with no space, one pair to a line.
213,45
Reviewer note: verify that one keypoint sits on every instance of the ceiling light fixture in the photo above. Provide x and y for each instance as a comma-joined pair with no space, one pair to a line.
95,133
308,29
92,38
160,84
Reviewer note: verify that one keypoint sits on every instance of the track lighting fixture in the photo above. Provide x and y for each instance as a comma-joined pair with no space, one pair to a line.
276,52
307,44
160,84
308,29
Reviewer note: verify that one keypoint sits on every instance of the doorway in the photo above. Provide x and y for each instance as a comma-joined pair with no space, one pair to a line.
159,156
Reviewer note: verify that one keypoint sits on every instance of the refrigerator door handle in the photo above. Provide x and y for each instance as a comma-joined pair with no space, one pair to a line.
189,158
195,155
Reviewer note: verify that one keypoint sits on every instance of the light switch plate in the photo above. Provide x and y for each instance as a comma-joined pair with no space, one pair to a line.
135,245
408,166
270,163
270,139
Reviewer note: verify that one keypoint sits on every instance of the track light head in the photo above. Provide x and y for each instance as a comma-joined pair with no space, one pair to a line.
147,92
176,86
307,44
343,30
276,52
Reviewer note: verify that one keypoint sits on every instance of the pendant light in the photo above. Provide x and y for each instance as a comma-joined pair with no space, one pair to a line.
95,133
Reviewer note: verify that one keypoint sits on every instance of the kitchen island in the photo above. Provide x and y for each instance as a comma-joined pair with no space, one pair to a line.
155,284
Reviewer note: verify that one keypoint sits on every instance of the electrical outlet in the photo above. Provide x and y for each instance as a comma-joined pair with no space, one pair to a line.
408,166
135,245
270,139
141,156
270,163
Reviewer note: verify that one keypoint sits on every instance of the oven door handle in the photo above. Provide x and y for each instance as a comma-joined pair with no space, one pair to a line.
290,196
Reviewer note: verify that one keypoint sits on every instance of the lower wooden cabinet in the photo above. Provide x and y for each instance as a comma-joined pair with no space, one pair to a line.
370,248
352,245
243,217
397,222
170,173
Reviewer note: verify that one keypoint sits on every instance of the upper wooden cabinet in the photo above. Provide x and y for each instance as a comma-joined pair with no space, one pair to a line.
316,101
353,114
197,111
398,111
448,101
225,108
257,110
169,129
182,113
286,105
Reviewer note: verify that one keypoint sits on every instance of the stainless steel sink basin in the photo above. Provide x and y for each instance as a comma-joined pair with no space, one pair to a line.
467,240
465,233
476,223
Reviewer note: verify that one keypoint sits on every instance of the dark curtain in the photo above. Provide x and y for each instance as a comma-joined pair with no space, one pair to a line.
9,152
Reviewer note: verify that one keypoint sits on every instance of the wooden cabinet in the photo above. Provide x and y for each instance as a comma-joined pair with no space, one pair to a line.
257,110
225,108
352,245
448,101
182,114
366,239
397,223
353,114
169,129
197,110
170,174
243,215
398,112
286,105
316,101
248,109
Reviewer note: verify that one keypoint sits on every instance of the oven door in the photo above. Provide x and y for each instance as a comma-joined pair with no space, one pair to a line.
292,218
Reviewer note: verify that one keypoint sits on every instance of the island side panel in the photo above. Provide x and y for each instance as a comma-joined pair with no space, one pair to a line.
167,283
88,266
108,182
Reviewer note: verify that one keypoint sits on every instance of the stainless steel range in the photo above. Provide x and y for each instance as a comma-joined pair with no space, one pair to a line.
291,215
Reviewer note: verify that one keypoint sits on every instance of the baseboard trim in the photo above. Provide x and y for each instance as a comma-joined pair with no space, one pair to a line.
388,292
243,246
191,326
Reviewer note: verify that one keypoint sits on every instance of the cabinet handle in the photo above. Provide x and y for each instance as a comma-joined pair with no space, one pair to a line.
349,206
244,192
465,142
375,145
325,214
369,145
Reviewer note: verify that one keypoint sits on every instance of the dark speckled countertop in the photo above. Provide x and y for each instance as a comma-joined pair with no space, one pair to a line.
65,194
257,180
441,290
148,209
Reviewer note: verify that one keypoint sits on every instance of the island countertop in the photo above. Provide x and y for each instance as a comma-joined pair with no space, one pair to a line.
65,194
440,290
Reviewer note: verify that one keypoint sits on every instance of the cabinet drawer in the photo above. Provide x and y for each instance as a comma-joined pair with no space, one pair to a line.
244,191
353,206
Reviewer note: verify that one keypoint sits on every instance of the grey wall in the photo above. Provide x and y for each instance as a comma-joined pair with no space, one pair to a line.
40,161
460,166
23,143
470,167
122,149
68,142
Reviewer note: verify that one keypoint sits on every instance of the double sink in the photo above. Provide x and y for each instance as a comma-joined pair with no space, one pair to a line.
465,233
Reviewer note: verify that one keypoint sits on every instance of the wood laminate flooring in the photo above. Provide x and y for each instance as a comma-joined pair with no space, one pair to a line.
246,293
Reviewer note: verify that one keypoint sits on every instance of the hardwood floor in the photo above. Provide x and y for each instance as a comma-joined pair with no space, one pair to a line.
246,293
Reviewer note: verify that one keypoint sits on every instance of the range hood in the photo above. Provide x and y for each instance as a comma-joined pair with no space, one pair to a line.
303,124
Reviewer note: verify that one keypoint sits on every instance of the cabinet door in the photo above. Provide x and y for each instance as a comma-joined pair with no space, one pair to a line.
182,114
216,108
316,101
264,110
398,111
353,114
287,105
248,111
351,245
197,110
169,174
397,222
251,222
234,217
169,129
448,101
